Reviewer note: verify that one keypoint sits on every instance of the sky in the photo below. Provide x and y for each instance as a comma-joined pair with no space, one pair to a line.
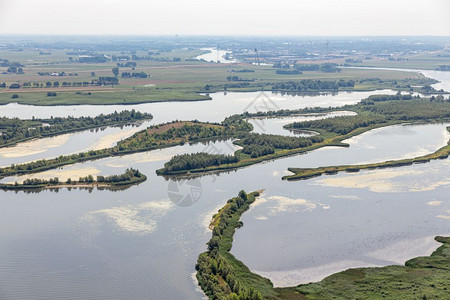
230,17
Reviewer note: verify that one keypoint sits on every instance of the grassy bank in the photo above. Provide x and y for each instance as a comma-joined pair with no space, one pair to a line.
222,276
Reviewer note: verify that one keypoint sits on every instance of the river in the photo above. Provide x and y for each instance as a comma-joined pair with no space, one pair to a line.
142,243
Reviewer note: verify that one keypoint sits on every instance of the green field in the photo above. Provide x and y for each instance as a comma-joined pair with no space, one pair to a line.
169,80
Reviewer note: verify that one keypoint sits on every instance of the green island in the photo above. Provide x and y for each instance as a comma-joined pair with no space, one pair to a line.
15,130
130,177
374,112
222,276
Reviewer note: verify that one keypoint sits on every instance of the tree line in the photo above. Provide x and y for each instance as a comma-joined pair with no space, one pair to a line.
193,161
219,274
257,145
130,176
313,85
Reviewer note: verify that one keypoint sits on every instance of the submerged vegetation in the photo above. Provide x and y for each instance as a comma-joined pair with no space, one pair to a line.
222,276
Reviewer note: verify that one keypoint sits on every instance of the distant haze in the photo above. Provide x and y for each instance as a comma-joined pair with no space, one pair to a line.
231,17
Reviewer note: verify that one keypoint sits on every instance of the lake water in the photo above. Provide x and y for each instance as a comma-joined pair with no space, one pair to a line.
143,242
216,55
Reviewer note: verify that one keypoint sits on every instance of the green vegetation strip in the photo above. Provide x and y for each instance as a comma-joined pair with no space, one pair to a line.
222,276
306,173
219,273
130,177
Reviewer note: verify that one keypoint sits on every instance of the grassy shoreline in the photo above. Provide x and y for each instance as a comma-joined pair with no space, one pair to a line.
76,102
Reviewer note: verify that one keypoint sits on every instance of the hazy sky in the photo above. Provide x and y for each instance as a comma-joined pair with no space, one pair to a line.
231,17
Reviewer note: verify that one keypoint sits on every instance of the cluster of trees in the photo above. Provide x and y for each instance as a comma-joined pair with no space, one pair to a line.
443,68
17,130
185,162
329,68
151,58
427,89
313,85
233,126
237,124
55,84
281,112
378,98
237,78
37,181
100,58
257,145
188,132
6,63
216,268
236,85
258,150
106,80
416,109
134,75
243,71
115,71
307,67
288,72
15,70
342,124
128,64
129,175
325,67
